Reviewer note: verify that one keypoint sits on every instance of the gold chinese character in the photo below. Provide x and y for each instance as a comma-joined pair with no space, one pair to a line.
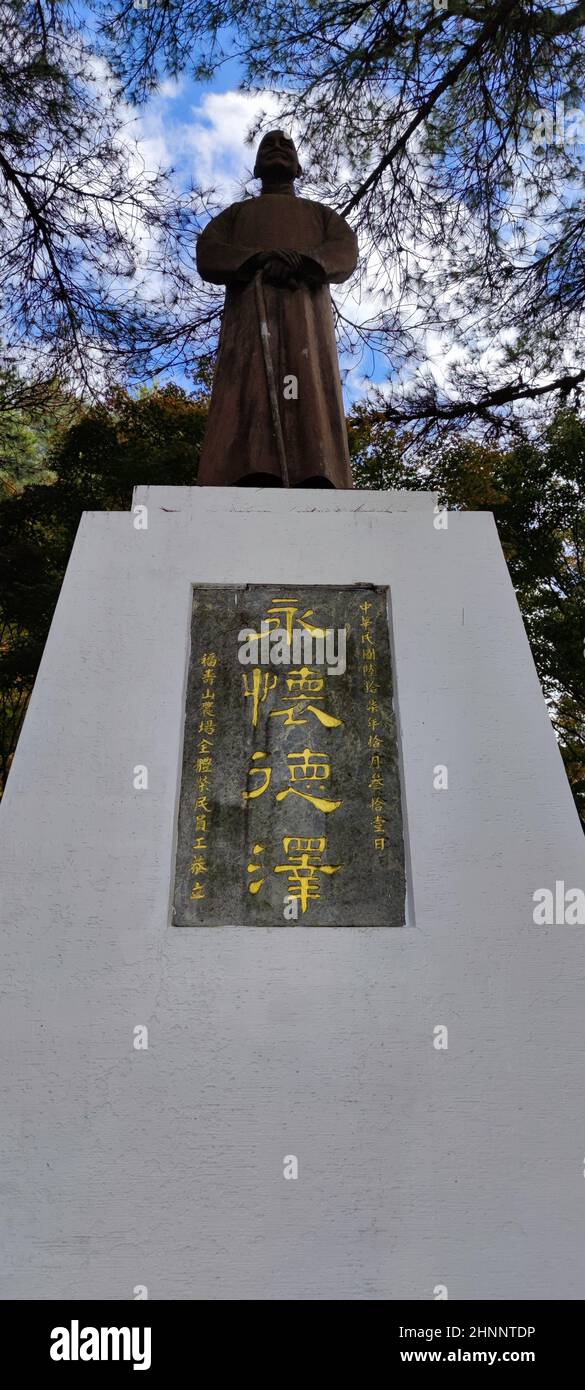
304,866
255,885
265,772
262,683
305,685
287,608
309,767
303,767
197,892
198,866
305,678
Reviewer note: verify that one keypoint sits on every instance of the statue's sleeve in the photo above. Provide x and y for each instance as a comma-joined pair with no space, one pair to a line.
337,253
220,258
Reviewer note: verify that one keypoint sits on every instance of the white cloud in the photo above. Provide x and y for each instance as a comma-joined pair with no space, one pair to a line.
216,137
206,146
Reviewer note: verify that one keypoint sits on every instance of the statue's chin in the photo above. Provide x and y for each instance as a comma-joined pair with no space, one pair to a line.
277,173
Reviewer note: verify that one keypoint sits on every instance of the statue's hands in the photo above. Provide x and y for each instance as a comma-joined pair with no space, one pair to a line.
292,258
277,272
281,267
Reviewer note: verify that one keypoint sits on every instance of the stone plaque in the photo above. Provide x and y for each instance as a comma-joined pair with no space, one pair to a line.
289,812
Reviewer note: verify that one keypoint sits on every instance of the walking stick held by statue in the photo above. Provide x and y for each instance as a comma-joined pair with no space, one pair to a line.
270,377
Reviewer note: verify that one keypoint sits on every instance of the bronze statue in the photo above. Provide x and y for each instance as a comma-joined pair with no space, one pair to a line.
276,415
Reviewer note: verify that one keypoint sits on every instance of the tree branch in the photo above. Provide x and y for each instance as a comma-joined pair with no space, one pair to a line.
574,19
503,395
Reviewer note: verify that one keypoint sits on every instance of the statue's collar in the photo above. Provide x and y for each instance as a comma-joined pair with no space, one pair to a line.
288,189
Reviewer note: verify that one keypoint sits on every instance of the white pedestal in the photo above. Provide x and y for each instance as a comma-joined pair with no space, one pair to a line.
164,1167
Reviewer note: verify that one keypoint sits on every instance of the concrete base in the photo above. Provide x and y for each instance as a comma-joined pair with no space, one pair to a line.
163,1167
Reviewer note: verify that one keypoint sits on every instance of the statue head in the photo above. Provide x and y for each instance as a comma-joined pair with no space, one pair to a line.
277,160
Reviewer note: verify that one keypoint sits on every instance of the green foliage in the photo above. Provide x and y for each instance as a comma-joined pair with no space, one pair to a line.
22,456
94,462
536,492
28,435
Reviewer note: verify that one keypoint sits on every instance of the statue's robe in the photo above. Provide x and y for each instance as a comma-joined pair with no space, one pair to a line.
240,438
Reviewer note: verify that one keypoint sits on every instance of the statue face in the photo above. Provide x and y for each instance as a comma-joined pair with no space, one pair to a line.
277,159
